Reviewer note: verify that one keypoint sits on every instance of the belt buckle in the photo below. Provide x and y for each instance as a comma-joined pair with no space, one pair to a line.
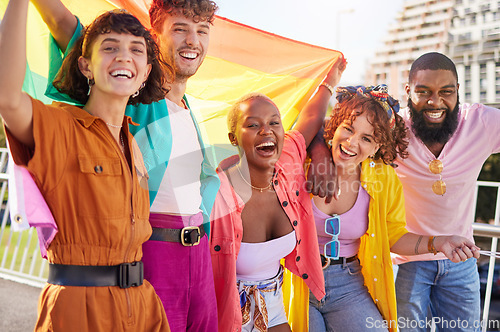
186,233
128,272
326,260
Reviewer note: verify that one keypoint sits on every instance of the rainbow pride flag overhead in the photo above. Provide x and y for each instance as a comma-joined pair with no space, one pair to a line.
240,59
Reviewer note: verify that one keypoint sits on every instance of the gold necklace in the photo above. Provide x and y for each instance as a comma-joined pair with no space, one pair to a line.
112,125
122,142
254,187
109,124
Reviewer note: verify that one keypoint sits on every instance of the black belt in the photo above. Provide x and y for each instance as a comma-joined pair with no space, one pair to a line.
124,275
326,261
187,236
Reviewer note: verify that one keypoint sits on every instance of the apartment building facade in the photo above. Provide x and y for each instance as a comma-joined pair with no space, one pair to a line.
468,31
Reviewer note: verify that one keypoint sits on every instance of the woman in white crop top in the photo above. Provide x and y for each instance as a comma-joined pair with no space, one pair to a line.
357,231
262,214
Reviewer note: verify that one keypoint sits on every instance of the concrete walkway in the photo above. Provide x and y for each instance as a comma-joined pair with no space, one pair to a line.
19,302
18,306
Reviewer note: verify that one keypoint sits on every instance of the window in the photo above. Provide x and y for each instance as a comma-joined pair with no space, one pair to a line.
483,83
482,97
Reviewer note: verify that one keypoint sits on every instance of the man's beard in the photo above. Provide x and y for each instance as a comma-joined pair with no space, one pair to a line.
440,133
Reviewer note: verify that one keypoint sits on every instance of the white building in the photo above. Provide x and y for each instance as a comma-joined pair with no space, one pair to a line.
468,31
474,46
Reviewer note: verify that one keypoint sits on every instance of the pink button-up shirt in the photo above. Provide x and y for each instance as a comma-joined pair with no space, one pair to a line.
475,139
227,230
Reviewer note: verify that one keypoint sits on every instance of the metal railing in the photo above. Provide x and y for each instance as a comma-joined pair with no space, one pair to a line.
492,231
20,258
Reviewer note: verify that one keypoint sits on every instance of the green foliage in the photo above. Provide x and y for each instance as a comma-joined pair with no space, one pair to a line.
27,243
486,198
2,136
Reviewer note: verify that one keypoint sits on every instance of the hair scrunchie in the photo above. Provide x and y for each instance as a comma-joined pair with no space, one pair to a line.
378,93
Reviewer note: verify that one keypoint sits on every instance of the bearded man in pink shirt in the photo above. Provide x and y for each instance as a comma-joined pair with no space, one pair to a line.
449,143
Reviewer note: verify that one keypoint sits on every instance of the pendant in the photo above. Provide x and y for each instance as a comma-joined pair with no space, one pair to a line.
439,187
436,166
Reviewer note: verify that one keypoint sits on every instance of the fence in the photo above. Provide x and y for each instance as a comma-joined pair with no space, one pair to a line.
493,232
21,260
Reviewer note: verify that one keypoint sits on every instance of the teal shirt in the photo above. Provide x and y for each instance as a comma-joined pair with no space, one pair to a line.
153,135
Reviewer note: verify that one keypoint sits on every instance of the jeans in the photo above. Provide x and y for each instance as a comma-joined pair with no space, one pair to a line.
347,305
450,291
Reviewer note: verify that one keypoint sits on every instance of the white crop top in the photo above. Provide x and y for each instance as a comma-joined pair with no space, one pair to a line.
261,261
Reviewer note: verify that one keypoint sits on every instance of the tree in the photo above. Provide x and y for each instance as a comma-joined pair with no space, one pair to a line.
486,198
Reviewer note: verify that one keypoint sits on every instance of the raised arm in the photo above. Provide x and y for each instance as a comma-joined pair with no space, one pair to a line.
15,105
322,179
60,21
311,117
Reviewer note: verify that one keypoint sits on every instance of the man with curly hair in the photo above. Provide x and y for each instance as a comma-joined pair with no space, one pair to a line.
182,183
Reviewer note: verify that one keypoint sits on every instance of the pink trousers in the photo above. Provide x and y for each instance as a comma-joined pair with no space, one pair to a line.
182,277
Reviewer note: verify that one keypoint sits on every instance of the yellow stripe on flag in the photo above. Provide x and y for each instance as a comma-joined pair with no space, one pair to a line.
242,59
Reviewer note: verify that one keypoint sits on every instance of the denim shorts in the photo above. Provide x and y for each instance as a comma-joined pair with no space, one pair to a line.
271,291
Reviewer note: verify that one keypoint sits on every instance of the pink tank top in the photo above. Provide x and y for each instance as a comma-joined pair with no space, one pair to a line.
353,224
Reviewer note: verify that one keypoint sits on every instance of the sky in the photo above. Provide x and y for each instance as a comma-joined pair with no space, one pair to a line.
354,27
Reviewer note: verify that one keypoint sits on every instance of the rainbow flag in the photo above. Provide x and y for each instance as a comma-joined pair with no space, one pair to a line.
240,59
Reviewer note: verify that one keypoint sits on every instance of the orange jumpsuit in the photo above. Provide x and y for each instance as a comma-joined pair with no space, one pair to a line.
101,209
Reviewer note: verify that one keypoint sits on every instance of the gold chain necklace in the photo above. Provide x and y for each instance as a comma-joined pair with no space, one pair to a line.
254,187
122,142
112,125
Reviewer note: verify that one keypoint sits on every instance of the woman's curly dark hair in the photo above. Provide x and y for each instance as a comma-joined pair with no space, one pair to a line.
198,10
392,141
72,82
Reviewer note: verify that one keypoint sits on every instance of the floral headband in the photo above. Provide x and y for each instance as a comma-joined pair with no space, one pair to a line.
378,93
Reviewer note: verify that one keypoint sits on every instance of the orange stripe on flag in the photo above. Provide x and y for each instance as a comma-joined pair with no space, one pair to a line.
242,59
267,52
